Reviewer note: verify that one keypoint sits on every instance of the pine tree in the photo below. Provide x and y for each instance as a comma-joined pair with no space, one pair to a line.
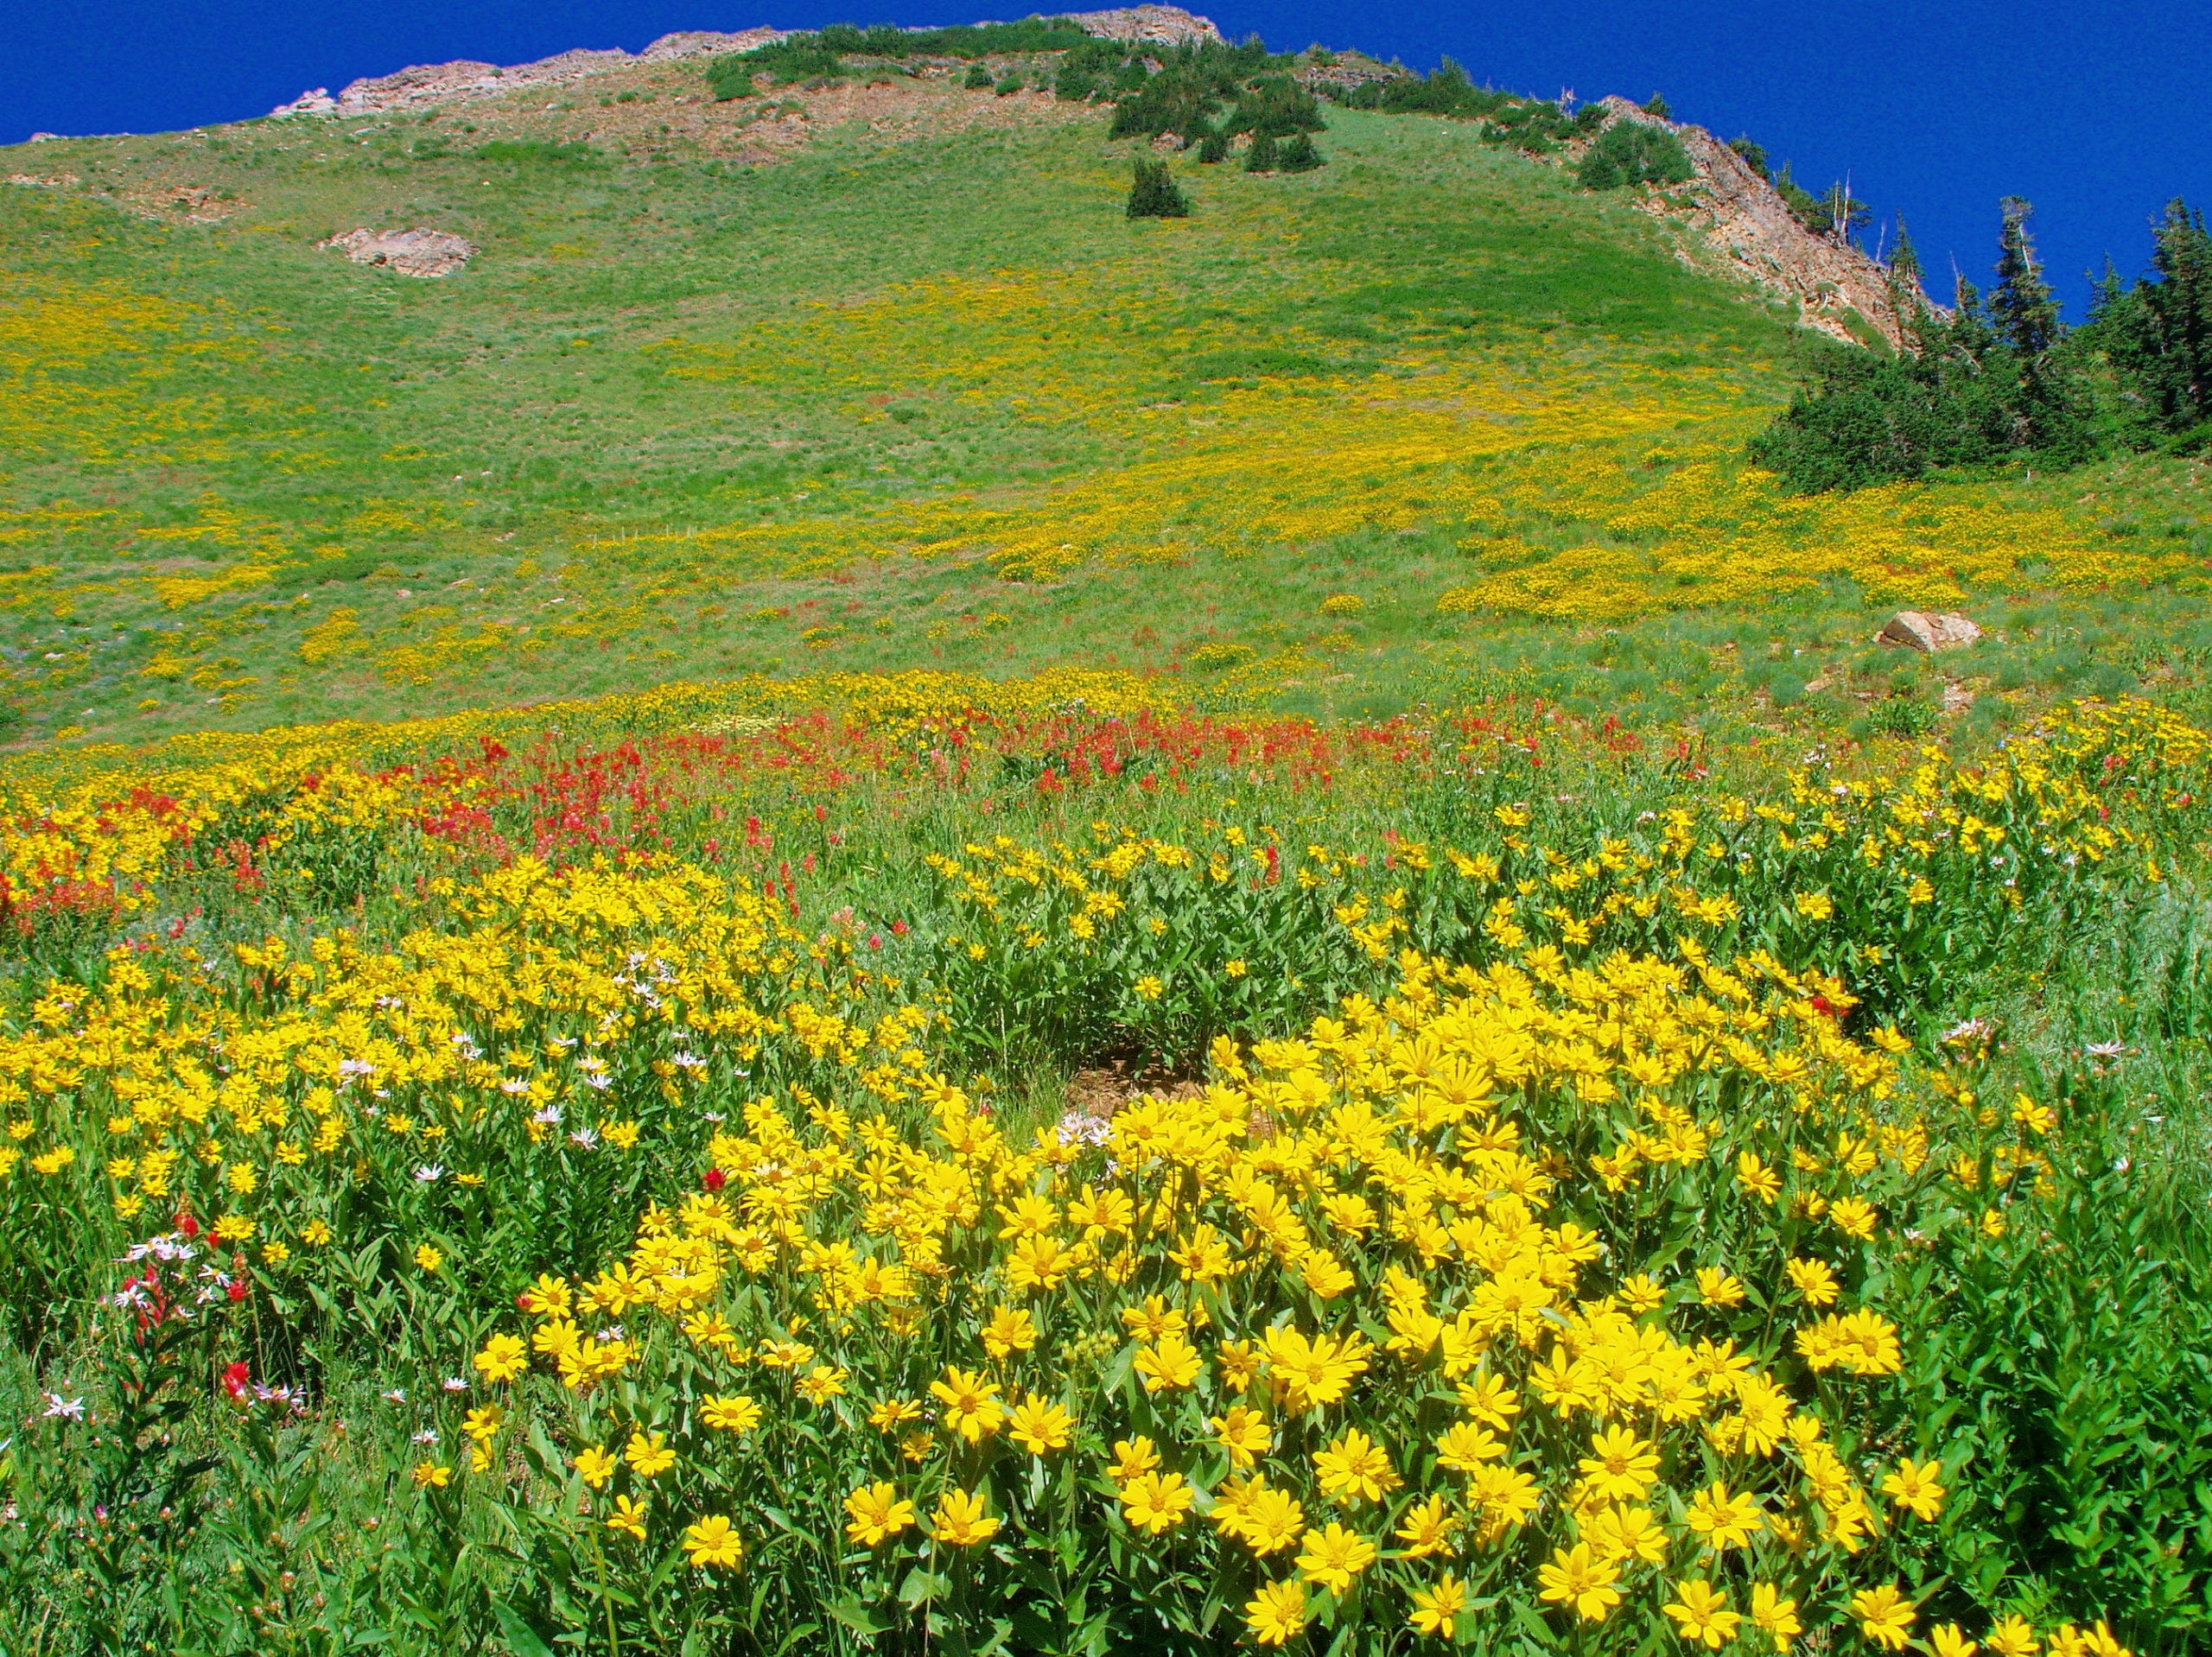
1261,158
1298,155
2180,304
1907,299
1153,192
2021,308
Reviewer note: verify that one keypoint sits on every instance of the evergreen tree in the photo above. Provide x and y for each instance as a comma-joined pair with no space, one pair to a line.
1630,153
2021,308
2158,334
1298,155
1153,192
1902,279
1261,158
1214,147
2180,305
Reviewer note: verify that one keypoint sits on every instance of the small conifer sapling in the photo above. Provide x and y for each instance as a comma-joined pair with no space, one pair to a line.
1153,192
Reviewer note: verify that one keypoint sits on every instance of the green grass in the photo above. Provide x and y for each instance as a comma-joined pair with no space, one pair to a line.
679,417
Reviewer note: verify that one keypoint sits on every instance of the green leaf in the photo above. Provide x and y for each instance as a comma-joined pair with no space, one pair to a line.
921,1587
849,1610
520,1636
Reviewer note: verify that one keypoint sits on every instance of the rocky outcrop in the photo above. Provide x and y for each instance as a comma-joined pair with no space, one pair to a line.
1736,213
418,252
691,43
440,83
1148,25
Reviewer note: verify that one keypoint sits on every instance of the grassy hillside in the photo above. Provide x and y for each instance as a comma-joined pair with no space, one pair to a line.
880,377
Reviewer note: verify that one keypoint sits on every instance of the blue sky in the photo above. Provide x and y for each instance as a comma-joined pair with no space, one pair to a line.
2095,112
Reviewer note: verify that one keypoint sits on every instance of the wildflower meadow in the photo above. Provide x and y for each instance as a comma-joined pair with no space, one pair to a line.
857,904
1016,1168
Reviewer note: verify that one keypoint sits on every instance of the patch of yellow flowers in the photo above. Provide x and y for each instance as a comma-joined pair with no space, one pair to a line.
1373,1324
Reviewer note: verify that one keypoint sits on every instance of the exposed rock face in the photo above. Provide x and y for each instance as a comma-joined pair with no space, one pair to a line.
691,43
1149,25
1739,216
418,252
1920,629
439,82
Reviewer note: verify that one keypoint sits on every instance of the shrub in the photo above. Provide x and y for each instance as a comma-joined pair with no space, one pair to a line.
1010,86
1342,604
978,78
788,62
1262,157
1632,152
1276,105
1153,192
1214,147
1298,155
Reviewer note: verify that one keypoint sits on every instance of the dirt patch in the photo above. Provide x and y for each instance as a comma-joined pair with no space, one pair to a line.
1099,1092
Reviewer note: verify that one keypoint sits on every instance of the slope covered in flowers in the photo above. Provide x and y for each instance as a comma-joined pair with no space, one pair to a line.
903,402
619,1188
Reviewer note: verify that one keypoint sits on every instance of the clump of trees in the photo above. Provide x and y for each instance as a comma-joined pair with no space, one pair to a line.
1634,152
1532,125
1208,94
1153,192
2003,380
818,56
2157,336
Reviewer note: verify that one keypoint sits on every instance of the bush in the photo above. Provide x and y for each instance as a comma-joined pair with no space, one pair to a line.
1630,153
787,62
1278,107
1299,156
978,78
1153,192
1262,157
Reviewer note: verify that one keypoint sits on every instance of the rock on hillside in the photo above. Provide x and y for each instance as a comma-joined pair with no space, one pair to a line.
1736,213
418,252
